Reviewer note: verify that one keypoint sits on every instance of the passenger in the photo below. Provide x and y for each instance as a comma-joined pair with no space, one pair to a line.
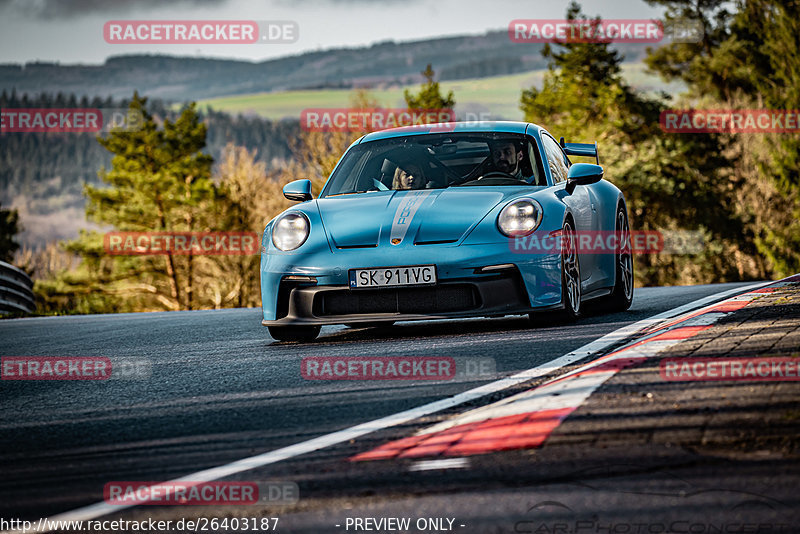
408,176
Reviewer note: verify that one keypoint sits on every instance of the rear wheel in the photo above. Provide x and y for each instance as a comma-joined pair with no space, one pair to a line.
294,333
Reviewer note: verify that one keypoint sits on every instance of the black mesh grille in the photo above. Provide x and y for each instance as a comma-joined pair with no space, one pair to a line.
439,299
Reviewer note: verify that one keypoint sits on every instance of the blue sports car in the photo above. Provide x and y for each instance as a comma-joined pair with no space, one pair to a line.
442,221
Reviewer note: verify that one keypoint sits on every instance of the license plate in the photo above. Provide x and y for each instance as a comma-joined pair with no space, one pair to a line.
412,275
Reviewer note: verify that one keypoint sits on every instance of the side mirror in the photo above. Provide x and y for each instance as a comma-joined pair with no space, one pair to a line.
299,190
583,174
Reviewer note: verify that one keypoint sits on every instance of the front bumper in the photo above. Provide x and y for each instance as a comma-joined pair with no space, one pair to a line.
316,294
319,305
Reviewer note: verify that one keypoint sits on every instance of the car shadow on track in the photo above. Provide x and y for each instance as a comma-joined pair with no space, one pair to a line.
462,327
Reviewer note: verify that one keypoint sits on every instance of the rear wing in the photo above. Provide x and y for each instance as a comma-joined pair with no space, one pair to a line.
581,149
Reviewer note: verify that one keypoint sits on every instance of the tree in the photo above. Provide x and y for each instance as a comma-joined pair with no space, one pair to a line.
584,82
9,228
668,179
315,153
160,180
429,96
749,58
249,200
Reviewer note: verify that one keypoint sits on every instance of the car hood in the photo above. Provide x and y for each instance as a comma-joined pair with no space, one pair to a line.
397,218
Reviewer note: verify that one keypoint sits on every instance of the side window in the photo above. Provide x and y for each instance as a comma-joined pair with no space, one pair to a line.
555,159
536,165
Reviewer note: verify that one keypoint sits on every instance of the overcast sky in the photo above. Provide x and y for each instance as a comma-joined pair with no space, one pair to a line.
71,31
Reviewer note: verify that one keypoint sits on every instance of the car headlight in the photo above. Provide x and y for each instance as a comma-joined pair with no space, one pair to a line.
290,230
520,217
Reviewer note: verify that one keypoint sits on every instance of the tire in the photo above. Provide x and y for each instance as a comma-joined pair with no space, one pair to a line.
621,296
294,333
570,273
570,292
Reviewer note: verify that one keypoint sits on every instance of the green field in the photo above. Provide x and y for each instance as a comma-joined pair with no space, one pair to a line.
498,95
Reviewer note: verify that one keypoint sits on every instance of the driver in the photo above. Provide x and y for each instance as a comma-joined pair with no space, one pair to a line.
507,157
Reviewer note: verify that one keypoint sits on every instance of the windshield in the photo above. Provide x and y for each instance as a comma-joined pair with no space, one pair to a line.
437,161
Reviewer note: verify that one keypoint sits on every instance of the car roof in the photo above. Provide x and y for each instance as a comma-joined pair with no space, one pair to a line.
454,127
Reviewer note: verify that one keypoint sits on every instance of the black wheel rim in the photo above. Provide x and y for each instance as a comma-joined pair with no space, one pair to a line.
624,257
572,277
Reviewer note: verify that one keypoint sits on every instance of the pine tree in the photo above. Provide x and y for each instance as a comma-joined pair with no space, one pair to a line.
671,181
160,180
429,96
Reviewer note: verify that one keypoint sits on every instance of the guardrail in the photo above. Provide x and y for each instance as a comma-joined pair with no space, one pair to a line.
16,290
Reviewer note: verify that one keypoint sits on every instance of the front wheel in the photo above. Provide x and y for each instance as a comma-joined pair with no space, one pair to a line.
294,333
570,273
621,296
570,283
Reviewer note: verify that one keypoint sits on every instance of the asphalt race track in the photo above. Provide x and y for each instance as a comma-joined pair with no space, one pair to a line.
220,389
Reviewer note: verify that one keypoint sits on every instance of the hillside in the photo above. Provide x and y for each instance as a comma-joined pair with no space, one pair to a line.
497,95
191,78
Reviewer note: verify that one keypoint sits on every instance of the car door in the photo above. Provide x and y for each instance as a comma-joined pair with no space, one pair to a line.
579,202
